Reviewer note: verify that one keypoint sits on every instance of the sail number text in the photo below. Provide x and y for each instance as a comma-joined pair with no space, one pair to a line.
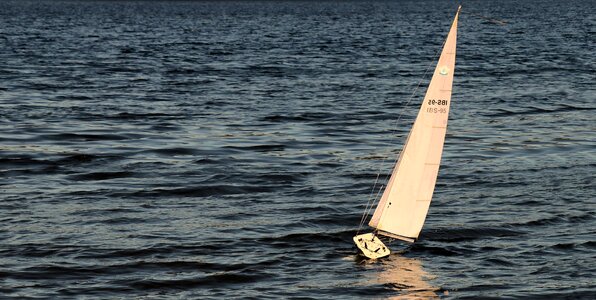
435,110
437,102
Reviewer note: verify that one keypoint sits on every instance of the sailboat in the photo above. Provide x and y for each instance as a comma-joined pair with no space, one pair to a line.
403,206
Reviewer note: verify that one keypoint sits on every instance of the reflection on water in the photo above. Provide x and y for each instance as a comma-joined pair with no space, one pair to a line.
407,277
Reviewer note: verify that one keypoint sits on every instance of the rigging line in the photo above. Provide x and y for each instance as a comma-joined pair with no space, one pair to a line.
371,202
368,207
490,19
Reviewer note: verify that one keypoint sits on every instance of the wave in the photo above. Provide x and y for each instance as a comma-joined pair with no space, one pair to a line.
453,235
503,112
302,117
259,148
199,191
94,176
82,137
218,280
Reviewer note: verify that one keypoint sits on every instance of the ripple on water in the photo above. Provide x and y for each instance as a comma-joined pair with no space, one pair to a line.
227,149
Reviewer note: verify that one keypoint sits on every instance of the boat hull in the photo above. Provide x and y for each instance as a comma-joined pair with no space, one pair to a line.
371,246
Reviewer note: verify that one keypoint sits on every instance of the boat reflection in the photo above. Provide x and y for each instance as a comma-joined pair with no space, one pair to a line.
407,277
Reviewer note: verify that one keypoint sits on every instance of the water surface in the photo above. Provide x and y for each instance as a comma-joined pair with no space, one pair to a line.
227,149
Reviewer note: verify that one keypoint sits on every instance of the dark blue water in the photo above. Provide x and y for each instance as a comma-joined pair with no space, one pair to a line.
169,150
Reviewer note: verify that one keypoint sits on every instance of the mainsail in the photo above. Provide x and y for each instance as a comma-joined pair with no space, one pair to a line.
404,204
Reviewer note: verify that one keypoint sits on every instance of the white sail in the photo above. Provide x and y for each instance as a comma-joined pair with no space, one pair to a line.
403,207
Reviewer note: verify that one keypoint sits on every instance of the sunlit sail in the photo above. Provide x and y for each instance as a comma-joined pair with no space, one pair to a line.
405,201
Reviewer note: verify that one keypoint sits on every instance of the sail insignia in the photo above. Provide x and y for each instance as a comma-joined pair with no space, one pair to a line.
444,70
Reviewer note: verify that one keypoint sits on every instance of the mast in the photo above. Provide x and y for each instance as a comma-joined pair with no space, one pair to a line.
403,207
